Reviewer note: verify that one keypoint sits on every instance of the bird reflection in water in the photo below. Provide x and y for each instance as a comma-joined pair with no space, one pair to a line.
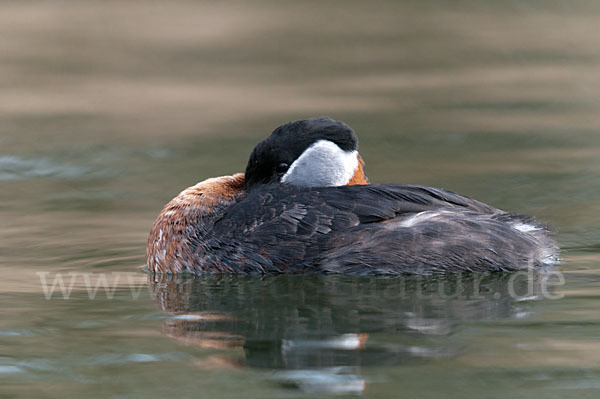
320,333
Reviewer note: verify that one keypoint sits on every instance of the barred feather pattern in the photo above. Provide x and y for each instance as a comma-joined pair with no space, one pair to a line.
217,227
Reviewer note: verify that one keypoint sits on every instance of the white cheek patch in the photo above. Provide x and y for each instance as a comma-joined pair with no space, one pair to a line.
322,164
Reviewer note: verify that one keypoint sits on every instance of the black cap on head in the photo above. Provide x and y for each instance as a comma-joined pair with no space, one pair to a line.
270,157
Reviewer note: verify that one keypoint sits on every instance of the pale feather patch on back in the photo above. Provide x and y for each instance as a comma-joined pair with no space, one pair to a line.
322,164
421,217
525,227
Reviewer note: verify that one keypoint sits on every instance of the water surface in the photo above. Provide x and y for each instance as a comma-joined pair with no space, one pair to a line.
109,109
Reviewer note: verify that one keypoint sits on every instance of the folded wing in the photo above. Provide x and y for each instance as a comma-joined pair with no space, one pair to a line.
377,229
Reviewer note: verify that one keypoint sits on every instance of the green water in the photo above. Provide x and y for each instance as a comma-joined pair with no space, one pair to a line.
109,109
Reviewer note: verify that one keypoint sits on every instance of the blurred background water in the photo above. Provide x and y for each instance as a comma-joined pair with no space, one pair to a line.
108,109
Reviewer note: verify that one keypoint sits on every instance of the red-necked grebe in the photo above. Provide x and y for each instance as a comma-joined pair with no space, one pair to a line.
304,205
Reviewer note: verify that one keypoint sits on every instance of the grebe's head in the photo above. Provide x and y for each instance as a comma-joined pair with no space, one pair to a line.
314,152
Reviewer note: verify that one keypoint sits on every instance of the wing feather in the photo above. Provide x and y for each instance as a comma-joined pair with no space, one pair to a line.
282,227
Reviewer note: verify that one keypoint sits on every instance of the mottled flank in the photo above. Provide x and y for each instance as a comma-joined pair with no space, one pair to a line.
173,243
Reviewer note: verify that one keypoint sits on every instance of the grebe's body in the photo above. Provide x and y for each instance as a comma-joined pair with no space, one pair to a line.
304,206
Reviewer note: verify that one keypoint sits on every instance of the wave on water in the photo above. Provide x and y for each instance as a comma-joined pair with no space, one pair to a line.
13,168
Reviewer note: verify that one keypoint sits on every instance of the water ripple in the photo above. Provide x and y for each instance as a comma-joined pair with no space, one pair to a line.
10,370
14,168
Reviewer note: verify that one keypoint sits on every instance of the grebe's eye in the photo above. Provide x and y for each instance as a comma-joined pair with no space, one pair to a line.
282,168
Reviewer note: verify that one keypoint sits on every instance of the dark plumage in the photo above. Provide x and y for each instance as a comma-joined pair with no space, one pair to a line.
366,230
257,225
